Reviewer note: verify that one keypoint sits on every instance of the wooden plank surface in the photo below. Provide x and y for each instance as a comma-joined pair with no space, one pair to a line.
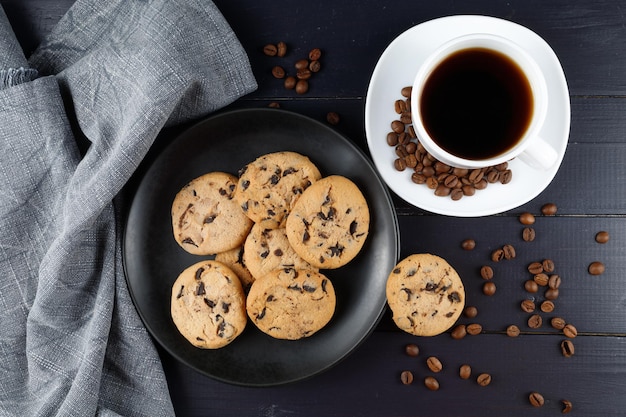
590,39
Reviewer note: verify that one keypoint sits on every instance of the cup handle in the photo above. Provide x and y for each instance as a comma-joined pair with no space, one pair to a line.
540,155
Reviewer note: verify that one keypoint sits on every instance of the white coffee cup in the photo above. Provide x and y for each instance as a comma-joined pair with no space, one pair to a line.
529,146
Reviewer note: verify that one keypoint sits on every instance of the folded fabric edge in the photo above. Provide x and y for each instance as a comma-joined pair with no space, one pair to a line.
15,76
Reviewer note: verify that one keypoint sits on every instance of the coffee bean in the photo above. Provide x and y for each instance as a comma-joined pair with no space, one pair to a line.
278,72
412,349
303,74
470,312
541,279
557,323
602,237
400,106
554,281
551,294
567,348
547,306
399,164
301,64
567,406
497,255
548,209
442,191
406,377
431,383
527,219
486,272
397,126
274,105
434,364
456,194
535,321
509,252
290,82
302,86
489,288
531,286
512,331
535,268
483,380
459,332
465,371
392,138
474,329
332,118
596,268
548,265
570,331
528,234
281,49
468,244
418,178
315,66
536,399
270,50
528,306
315,54
406,92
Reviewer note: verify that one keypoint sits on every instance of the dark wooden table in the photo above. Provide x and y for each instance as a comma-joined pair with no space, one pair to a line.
589,36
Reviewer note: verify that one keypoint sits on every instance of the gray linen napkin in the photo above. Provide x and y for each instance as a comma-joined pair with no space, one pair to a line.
71,342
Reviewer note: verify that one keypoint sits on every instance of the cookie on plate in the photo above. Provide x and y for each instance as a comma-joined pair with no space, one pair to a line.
425,294
268,249
329,223
234,260
208,305
206,219
269,186
290,303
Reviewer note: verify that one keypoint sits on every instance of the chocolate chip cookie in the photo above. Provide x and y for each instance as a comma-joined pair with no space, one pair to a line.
208,305
269,186
425,294
206,219
329,223
290,303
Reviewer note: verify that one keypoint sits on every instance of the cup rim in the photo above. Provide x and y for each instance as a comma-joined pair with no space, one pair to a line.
514,52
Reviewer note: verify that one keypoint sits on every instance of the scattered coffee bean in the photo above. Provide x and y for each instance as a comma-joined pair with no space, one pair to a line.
470,312
536,399
541,279
274,105
290,82
548,265
596,268
602,237
557,323
497,255
547,306
535,321
528,306
302,86
465,371
270,50
431,383
301,64
315,66
332,118
468,244
434,364
554,281
474,329
549,209
397,126
570,331
486,272
459,332
489,288
483,379
303,74
535,268
551,294
528,234
527,219
512,331
567,406
406,92
399,164
315,54
406,377
412,349
509,252
567,348
281,49
278,72
531,286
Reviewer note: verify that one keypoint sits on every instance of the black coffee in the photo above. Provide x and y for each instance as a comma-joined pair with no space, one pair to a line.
476,104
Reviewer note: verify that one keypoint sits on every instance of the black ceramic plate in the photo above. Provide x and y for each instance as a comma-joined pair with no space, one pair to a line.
153,260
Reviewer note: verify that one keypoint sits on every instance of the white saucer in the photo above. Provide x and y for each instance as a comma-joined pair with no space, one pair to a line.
397,67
